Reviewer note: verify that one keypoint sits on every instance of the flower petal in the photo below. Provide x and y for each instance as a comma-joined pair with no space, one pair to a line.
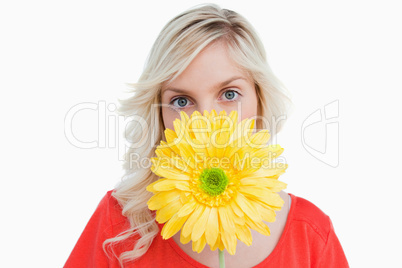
187,153
236,219
247,207
177,163
200,225
217,242
272,199
199,245
243,233
164,150
150,187
229,241
259,139
173,226
170,173
167,185
227,229
260,227
267,213
275,170
189,225
201,127
253,190
162,199
236,209
184,239
212,227
273,184
237,140
269,152
187,208
167,212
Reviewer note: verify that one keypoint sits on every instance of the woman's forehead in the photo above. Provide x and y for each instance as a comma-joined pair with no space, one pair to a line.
211,67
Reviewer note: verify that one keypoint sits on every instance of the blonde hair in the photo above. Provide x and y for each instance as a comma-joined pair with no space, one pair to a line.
179,42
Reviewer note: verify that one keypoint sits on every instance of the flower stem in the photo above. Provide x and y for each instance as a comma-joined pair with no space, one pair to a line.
221,259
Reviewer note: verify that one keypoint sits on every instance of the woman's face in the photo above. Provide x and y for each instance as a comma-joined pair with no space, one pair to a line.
211,81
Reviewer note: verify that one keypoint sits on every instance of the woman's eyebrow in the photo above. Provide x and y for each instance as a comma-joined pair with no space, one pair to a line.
222,84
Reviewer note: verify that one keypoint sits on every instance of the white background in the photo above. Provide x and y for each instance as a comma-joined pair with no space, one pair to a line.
57,54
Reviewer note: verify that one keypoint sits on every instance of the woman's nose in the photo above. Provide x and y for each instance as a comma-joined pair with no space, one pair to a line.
209,106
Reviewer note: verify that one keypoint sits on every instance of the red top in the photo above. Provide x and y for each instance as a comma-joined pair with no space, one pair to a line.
308,240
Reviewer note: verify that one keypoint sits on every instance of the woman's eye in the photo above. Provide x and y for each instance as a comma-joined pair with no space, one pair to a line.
230,94
180,102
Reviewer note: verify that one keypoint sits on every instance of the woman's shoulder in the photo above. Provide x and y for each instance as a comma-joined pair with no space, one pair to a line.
110,201
113,211
307,213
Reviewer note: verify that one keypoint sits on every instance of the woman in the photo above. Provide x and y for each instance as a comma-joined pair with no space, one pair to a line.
205,58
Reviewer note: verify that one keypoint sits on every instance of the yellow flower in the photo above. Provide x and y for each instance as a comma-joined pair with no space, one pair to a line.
217,182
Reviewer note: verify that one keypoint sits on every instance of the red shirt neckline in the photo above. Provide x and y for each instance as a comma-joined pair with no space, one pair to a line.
277,248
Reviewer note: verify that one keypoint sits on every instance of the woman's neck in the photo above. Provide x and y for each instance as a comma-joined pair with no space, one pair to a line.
246,256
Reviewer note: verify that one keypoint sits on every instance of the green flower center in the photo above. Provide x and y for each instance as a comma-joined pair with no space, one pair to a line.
213,181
